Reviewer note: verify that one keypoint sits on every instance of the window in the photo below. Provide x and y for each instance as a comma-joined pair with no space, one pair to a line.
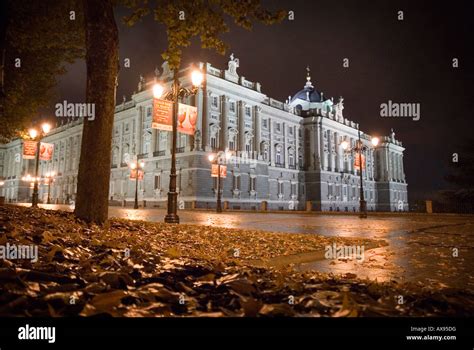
280,189
278,157
232,145
330,190
253,183
248,148
126,127
293,189
290,131
264,150
236,182
214,142
291,159
248,111
148,113
232,107
265,123
157,182
278,127
215,101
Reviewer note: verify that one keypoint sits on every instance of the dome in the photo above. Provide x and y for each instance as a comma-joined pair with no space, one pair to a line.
307,94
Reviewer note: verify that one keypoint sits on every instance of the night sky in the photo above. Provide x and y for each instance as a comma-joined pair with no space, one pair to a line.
407,61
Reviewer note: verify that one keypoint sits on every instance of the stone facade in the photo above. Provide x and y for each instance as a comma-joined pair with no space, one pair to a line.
286,156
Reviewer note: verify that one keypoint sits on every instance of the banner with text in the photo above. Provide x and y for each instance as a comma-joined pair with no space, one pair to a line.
29,149
162,114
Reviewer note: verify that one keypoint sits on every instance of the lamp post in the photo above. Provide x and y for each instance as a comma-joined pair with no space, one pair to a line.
49,178
37,136
219,159
136,166
177,92
359,148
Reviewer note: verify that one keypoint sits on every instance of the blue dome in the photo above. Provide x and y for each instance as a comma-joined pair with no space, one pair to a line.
314,96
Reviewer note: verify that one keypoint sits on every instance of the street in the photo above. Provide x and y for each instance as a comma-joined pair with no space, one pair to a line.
434,251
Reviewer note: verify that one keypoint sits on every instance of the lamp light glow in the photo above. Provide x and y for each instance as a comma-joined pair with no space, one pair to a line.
197,78
157,90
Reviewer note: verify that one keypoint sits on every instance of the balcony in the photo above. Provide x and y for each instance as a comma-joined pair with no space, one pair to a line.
180,149
142,156
159,153
279,165
123,165
292,166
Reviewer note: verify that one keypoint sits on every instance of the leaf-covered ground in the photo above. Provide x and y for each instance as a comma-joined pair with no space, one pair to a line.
135,268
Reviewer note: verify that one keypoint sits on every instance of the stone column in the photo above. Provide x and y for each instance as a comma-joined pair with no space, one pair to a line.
257,130
241,124
271,147
138,130
224,132
338,153
199,101
321,144
285,144
154,135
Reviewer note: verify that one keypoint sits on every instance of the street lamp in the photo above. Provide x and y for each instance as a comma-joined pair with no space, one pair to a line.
36,135
49,178
177,92
359,148
219,159
136,166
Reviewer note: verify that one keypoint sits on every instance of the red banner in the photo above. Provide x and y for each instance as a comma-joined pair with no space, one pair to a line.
133,174
187,118
357,161
29,149
214,171
46,151
162,114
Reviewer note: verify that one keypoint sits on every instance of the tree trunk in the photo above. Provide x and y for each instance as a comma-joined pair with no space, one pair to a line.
102,70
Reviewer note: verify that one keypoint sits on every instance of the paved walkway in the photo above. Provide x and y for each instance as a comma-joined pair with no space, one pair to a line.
431,250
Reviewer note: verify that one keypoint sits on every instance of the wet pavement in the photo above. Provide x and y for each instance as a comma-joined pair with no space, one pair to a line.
431,250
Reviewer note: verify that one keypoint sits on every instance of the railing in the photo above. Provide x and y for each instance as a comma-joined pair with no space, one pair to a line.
279,165
142,156
159,153
292,166
123,165
180,150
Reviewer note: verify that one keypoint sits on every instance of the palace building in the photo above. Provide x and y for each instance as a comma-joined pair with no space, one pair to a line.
286,155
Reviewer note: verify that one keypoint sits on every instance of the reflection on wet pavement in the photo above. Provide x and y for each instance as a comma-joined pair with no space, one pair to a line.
432,250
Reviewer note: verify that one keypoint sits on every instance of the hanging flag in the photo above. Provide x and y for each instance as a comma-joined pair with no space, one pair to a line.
162,114
187,118
29,149
357,160
133,174
214,171
46,151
